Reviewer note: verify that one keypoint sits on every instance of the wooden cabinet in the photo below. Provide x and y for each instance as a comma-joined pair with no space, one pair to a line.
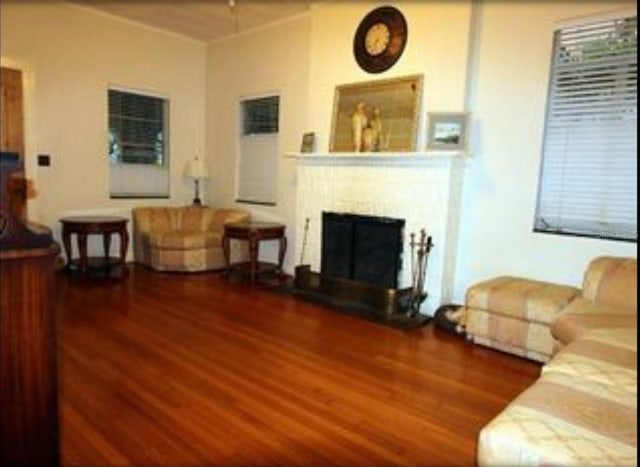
28,370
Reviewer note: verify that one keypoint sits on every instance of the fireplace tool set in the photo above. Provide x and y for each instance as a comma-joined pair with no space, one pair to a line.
419,254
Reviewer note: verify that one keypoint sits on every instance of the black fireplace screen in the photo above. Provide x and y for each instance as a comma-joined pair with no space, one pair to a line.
362,248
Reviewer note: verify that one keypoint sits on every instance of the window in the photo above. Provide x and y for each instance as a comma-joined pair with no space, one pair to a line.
258,160
137,145
588,182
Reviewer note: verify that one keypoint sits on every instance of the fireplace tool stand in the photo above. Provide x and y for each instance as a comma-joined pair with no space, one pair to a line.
419,255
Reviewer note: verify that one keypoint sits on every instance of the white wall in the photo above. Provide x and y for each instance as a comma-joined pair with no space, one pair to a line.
269,60
508,84
69,57
437,48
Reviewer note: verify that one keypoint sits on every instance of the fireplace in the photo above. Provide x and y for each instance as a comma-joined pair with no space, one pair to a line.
361,259
362,248
423,190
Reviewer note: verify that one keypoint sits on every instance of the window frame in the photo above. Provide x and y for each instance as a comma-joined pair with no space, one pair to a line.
146,169
563,225
255,137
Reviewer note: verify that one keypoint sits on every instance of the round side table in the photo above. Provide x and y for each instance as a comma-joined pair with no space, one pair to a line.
82,227
254,232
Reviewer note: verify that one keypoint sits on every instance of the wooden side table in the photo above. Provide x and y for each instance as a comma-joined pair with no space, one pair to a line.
254,233
82,227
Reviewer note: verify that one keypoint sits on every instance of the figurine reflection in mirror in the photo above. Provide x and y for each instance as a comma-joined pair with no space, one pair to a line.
359,122
366,132
376,130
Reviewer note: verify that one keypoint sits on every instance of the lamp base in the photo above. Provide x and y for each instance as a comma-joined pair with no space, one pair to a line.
196,199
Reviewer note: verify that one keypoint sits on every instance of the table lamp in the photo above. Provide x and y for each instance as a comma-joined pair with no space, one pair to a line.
196,169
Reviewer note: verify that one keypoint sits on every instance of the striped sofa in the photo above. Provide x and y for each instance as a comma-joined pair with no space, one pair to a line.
187,239
583,408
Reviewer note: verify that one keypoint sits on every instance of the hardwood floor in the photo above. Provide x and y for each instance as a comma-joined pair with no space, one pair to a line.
170,369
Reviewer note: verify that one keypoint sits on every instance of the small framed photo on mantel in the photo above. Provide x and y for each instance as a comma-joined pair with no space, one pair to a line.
308,143
447,131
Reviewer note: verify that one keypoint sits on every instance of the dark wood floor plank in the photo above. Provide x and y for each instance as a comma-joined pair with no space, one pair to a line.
190,369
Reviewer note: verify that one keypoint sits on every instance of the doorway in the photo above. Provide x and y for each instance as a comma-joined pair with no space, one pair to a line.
12,137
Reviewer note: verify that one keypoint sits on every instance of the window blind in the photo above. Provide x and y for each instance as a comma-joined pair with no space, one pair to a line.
260,116
588,182
136,128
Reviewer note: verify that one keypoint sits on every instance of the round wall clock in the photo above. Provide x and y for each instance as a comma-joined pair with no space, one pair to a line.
380,39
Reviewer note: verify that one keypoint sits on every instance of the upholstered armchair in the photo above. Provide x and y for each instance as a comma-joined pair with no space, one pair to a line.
184,238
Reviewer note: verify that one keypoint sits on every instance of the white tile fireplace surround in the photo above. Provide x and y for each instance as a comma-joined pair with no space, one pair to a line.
423,189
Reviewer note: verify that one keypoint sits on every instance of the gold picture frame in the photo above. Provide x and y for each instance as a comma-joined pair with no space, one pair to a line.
377,116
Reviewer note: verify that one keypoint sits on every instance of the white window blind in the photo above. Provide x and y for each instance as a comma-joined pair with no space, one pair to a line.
258,160
588,182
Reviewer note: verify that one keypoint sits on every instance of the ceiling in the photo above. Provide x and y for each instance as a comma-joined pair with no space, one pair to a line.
204,20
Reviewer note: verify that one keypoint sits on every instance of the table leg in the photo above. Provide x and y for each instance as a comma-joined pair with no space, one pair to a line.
254,252
281,252
82,247
124,245
227,254
106,243
66,240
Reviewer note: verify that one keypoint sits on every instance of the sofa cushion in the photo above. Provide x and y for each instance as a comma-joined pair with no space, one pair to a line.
583,315
564,420
185,240
612,281
521,298
513,335
605,356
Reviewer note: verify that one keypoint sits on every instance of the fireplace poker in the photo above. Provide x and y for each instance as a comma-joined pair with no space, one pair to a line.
425,247
412,243
304,239
421,259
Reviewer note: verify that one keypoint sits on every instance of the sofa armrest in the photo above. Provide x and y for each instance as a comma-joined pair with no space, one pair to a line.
612,281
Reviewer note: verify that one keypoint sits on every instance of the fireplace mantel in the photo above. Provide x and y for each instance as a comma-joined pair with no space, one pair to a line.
421,187
377,158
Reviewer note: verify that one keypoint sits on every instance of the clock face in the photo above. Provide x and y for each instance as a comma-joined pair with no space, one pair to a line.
377,39
380,39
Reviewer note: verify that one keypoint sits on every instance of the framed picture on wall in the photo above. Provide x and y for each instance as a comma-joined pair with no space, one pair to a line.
447,130
308,142
376,116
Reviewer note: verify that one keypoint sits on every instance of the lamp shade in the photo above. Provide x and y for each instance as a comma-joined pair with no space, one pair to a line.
196,169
